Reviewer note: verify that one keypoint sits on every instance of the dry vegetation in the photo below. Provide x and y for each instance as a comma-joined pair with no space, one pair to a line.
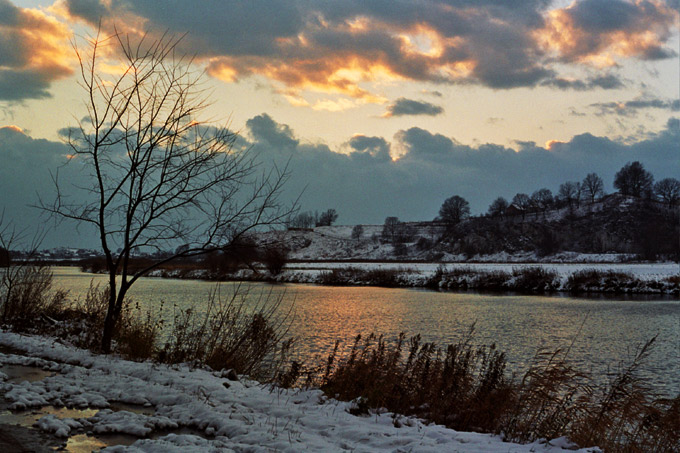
463,386
466,387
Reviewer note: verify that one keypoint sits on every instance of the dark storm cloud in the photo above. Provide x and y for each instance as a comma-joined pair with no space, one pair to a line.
403,106
26,169
366,185
433,167
33,53
305,44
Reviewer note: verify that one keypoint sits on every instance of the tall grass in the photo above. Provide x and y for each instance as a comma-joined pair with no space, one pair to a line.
26,294
231,332
466,387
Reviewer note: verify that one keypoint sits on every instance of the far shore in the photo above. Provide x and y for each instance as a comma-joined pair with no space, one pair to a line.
525,277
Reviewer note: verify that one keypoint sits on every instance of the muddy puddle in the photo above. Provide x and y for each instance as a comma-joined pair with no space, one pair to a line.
21,373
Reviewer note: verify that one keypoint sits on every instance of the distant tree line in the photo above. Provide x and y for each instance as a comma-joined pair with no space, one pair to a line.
313,219
646,229
631,180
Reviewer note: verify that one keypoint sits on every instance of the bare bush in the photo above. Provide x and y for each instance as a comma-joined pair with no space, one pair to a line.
231,333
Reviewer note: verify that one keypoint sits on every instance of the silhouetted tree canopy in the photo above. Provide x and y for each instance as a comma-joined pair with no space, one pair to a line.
327,218
498,206
634,180
668,191
454,209
592,186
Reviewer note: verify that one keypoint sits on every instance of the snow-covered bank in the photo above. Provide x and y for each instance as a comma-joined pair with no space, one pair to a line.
646,271
575,278
223,415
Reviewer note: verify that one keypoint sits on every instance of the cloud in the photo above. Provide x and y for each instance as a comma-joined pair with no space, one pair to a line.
403,106
349,48
599,32
26,169
605,82
264,129
631,108
364,147
34,52
365,185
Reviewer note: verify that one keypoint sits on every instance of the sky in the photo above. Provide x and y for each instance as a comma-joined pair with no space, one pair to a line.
384,107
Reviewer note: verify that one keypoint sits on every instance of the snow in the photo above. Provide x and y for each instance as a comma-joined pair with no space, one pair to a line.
645,271
224,415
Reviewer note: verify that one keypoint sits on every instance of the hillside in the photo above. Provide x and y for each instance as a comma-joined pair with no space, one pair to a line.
611,229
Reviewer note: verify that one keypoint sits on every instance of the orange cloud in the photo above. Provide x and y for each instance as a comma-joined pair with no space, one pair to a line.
13,128
40,52
643,35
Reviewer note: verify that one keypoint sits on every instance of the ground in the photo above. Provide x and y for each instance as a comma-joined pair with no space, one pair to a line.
81,399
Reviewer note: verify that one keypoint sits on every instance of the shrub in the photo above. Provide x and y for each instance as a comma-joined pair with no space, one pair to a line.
26,295
353,276
274,259
534,279
594,280
138,332
230,334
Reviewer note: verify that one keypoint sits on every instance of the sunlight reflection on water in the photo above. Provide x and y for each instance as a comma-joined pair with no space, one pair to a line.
519,325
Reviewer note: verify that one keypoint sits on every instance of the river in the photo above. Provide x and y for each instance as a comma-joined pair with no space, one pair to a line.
605,332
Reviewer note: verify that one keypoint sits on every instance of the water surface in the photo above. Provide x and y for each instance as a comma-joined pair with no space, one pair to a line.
605,332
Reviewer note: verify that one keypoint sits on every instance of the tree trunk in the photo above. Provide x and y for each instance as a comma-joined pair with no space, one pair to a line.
107,335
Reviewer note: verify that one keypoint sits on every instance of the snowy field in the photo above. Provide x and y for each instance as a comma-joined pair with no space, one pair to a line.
653,271
185,410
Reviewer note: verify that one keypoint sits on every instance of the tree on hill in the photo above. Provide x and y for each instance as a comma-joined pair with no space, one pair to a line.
592,186
357,232
327,218
303,220
668,191
522,202
454,209
542,200
497,207
158,175
634,180
390,228
570,193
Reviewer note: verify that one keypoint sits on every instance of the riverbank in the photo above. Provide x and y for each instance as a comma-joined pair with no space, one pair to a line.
130,406
529,278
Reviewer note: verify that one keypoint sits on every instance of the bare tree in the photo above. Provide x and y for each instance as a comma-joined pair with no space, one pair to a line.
668,191
327,218
498,206
592,186
303,220
158,175
570,193
542,200
521,202
357,232
390,229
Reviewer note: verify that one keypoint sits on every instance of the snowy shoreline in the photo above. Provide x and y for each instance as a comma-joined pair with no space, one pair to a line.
613,278
222,415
